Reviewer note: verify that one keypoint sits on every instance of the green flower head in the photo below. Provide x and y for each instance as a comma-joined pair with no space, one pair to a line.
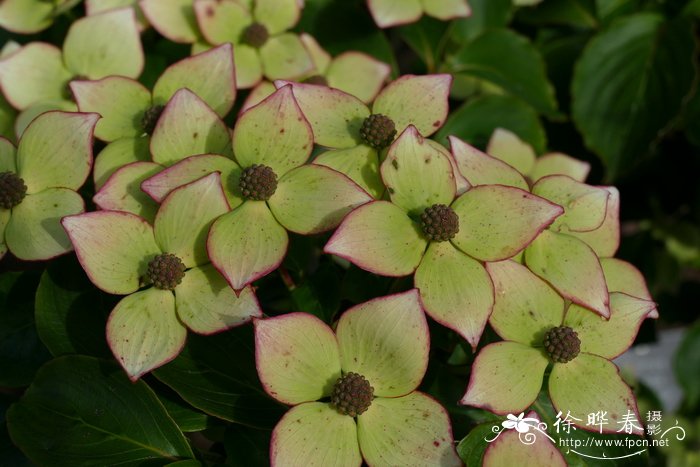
353,391
443,237
358,135
38,183
164,272
35,77
540,330
566,254
131,113
258,30
268,186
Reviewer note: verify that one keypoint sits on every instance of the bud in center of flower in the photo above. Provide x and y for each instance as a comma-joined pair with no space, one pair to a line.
561,344
258,182
378,131
352,394
439,223
150,118
166,271
256,35
12,190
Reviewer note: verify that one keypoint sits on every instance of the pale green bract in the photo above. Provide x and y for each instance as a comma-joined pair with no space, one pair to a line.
388,13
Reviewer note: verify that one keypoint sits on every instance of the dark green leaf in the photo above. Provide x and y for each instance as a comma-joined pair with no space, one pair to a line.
486,14
359,286
71,313
217,375
576,13
21,351
10,456
609,10
686,364
629,84
84,411
510,61
303,253
560,53
187,418
692,8
247,447
691,119
319,293
471,449
475,121
425,38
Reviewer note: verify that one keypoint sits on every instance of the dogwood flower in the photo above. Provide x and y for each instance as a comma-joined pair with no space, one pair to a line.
35,78
370,369
270,188
357,134
541,329
186,126
164,272
38,183
563,254
259,32
442,237
130,112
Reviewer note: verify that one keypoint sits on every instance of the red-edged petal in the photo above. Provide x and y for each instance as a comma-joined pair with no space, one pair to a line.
297,357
